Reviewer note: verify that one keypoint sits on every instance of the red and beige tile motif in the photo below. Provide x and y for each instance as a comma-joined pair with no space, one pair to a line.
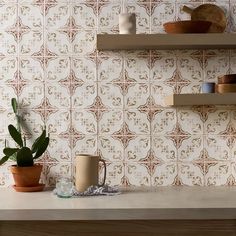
124,135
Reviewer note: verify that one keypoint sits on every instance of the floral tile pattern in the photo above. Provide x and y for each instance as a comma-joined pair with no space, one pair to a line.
111,103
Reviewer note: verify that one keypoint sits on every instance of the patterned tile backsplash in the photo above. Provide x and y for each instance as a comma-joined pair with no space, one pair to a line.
111,103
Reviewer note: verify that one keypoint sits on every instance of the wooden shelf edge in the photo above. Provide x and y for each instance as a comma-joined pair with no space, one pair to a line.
166,41
201,99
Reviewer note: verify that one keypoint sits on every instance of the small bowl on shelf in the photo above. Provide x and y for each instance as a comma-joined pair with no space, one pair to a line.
187,27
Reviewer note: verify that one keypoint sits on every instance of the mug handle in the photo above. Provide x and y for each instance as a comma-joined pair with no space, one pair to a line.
105,172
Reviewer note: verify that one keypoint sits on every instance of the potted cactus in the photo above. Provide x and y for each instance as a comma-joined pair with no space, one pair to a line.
26,174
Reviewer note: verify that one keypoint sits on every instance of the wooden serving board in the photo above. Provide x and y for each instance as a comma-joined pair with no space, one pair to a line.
226,88
209,12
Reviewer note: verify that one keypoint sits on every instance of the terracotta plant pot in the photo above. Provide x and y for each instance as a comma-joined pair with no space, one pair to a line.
26,176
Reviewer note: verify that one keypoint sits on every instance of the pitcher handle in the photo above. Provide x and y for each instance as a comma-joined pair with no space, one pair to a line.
105,172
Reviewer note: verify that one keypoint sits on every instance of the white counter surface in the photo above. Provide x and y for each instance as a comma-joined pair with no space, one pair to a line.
137,204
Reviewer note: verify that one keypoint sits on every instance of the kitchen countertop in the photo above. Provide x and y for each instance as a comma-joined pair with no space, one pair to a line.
163,203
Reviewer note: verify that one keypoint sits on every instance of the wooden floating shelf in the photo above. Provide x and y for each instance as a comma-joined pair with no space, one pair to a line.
165,41
201,99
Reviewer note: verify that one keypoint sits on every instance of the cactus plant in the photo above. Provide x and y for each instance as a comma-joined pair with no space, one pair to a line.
23,155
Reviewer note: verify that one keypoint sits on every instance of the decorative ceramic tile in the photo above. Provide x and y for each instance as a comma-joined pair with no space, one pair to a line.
58,70
57,16
162,12
58,43
108,14
138,149
164,149
31,42
110,95
6,178
32,124
163,66
138,122
8,43
190,149
137,95
217,122
6,93
32,95
232,179
39,2
85,122
84,69
190,67
232,19
143,12
30,69
189,88
215,66
84,95
110,69
218,147
31,15
137,174
8,15
111,122
190,121
232,62
110,149
84,43
58,150
164,121
233,128
218,174
137,69
190,174
115,174
8,68
85,14
164,174
58,95
58,122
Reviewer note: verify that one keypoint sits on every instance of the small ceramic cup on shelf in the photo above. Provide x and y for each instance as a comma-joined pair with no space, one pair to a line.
208,87
127,23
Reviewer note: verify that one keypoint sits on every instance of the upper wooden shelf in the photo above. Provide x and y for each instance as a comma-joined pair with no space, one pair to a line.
201,99
165,41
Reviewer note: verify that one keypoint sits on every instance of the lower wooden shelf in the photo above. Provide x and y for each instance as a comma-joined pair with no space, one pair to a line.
201,99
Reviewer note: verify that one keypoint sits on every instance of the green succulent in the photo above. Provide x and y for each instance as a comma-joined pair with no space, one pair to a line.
23,155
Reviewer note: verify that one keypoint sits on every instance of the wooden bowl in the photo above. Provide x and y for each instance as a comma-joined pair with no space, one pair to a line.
187,26
227,79
226,88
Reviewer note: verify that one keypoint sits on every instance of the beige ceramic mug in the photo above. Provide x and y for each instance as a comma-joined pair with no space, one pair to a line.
86,171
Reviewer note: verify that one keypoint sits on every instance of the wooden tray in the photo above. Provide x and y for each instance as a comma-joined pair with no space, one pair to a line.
226,88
